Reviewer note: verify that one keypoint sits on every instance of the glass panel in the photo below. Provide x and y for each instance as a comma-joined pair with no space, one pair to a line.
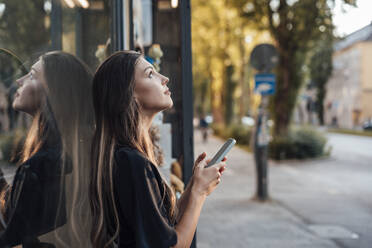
46,117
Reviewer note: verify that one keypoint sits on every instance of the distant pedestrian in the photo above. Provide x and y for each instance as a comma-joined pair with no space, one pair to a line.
203,125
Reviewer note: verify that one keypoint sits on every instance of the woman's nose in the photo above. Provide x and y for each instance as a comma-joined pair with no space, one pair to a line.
165,80
19,81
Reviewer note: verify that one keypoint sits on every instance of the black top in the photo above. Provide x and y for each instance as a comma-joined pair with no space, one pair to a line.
35,203
141,201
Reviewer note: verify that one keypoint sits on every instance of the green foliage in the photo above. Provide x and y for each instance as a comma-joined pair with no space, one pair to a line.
295,26
242,134
219,45
230,86
321,69
301,143
22,27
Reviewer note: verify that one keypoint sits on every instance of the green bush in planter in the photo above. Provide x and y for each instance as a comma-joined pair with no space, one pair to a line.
240,133
219,130
301,143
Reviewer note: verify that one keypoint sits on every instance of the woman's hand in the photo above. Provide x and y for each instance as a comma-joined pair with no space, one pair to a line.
205,180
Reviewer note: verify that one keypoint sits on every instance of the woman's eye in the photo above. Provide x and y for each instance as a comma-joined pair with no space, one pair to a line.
150,74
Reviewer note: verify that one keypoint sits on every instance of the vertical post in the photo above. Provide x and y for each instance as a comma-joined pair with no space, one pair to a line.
263,58
79,33
187,102
118,25
56,25
260,151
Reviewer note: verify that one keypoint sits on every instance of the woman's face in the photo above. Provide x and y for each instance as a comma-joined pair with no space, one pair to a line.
29,95
151,89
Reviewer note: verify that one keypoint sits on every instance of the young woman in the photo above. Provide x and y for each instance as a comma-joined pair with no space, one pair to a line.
57,94
132,205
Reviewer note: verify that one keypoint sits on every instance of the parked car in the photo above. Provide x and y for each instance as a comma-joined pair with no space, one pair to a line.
367,125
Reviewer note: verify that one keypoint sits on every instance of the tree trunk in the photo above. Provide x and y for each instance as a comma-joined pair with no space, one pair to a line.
216,103
281,111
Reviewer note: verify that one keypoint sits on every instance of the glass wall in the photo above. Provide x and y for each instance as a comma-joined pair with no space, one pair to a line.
36,198
89,31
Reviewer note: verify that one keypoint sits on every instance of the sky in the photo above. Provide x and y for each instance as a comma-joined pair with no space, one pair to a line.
353,19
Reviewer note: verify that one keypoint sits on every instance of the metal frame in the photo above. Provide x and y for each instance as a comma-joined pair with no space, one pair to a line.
56,25
186,121
187,106
187,102
117,34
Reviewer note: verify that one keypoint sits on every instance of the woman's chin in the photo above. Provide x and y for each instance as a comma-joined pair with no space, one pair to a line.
15,105
18,107
170,104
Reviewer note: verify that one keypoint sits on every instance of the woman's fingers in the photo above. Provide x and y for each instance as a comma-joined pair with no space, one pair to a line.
200,158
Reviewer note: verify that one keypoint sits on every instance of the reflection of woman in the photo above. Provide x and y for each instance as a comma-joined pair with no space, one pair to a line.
56,93
131,204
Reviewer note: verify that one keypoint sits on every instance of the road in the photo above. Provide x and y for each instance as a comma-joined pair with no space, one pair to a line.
334,193
316,203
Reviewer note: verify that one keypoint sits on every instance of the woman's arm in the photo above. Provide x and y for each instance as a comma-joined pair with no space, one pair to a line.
203,182
186,226
182,202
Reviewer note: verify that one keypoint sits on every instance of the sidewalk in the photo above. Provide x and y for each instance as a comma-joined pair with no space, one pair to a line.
231,218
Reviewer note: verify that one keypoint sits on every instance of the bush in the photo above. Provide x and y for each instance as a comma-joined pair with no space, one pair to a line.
242,134
219,130
301,143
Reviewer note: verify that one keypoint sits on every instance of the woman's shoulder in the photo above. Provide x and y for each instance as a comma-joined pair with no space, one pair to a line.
45,160
129,156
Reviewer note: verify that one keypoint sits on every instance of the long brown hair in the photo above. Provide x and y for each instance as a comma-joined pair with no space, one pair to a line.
65,122
69,87
117,123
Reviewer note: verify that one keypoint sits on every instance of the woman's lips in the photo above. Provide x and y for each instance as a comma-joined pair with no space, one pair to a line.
167,92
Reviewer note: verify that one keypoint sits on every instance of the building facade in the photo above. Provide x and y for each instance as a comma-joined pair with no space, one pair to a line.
349,89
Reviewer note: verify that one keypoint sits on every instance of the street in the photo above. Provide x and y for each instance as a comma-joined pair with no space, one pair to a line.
316,203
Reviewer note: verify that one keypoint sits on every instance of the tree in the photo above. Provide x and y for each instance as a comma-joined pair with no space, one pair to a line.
219,44
294,25
230,86
321,69
22,28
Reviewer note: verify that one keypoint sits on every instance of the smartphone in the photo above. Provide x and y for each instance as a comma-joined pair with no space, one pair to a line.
222,152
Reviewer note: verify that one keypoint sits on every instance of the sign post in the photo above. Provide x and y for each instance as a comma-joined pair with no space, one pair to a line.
265,86
263,58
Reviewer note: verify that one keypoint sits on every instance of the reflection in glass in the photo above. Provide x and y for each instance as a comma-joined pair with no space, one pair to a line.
46,203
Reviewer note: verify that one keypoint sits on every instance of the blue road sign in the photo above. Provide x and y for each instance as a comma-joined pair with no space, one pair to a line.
264,84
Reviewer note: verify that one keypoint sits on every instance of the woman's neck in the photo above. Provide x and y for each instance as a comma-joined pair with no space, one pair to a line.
146,142
146,121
